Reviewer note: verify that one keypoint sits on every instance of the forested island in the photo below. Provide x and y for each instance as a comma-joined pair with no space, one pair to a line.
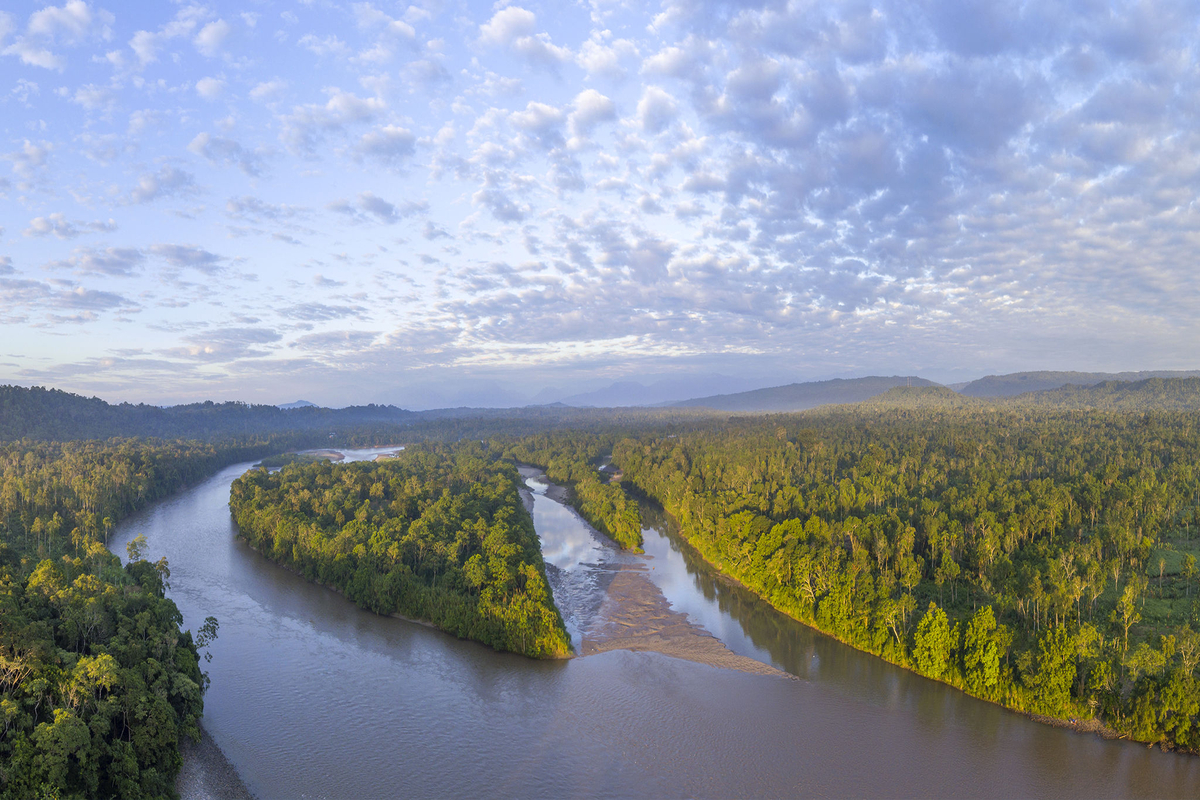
436,533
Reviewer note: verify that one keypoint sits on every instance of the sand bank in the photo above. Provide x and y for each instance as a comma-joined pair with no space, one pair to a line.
636,616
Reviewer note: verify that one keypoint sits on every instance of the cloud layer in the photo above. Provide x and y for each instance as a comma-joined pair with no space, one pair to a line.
383,205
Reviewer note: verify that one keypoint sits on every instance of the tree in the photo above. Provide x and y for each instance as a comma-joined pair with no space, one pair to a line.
1126,614
981,656
932,642
136,548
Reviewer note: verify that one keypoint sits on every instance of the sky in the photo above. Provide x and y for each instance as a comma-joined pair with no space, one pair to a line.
492,204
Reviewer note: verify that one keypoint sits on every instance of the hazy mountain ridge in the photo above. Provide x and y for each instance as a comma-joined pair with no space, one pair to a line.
803,396
1017,383
1151,394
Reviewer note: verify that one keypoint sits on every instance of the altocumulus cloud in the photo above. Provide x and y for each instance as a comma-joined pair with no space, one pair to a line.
754,187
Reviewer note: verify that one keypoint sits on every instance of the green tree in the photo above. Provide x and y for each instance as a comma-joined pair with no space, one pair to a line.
932,643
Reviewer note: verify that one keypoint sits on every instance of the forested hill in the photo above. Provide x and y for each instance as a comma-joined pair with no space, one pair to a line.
54,415
802,396
1023,382
1152,394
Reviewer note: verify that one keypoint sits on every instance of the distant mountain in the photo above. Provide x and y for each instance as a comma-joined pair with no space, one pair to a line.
297,404
800,396
659,392
1021,382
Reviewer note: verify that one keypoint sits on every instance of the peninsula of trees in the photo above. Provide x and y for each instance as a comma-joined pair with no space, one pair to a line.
436,533
97,682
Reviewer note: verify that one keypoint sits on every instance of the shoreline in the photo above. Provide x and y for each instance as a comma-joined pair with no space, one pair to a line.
207,773
1093,726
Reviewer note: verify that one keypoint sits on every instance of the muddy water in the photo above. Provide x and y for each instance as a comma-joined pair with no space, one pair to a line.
312,697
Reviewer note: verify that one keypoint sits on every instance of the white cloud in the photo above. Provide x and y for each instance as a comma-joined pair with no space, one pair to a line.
308,124
508,25
591,109
220,150
58,225
515,27
210,88
166,182
267,91
208,41
324,45
30,160
656,110
390,145
70,24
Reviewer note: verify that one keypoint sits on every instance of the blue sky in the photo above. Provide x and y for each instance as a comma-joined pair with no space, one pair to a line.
449,203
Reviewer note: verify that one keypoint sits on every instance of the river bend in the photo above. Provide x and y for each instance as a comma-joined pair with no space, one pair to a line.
312,697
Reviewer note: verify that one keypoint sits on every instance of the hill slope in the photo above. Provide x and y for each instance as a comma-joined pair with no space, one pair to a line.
1021,382
801,396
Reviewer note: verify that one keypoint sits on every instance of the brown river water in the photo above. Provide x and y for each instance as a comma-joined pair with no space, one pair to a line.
312,697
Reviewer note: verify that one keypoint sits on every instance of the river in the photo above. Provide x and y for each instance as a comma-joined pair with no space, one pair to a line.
312,697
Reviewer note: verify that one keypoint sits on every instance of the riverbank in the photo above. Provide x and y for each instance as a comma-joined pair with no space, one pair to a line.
207,774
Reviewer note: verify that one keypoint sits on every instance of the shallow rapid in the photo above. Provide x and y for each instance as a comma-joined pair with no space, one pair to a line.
313,697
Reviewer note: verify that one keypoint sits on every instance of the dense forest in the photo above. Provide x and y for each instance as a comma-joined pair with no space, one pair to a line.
436,533
97,682
1044,560
53,415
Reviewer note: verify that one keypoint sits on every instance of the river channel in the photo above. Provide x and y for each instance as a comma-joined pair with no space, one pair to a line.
312,697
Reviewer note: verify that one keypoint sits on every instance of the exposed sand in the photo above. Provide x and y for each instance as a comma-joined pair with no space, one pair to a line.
207,773
636,616
332,455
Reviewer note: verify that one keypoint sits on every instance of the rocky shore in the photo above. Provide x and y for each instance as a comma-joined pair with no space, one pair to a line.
207,773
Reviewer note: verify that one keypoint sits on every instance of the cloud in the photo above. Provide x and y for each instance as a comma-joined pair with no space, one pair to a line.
307,125
58,225
368,203
514,27
146,45
252,208
324,45
267,91
219,150
70,24
6,267
656,110
335,341
391,145
30,160
167,182
508,25
210,88
320,312
541,122
113,262
208,41
188,256
590,109
225,344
